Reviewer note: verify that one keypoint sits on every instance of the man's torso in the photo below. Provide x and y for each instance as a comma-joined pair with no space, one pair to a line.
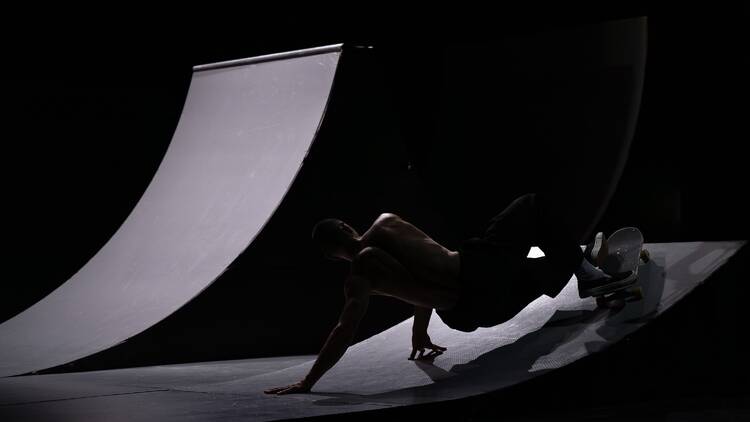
431,265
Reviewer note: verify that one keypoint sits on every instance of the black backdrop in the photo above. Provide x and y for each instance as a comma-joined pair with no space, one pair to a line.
90,104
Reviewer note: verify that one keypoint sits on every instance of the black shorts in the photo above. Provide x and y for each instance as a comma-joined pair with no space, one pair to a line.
497,279
496,282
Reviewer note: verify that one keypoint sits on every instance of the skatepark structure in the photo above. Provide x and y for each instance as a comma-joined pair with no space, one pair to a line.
375,374
245,134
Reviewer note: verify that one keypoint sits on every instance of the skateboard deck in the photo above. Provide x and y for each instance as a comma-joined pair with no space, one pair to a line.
626,253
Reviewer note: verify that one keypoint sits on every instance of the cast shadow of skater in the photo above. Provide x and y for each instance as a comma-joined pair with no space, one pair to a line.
659,294
652,279
498,368
552,346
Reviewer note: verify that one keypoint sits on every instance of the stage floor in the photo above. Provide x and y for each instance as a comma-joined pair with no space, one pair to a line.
374,374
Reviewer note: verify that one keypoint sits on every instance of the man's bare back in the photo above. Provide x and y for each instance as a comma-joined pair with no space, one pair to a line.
433,269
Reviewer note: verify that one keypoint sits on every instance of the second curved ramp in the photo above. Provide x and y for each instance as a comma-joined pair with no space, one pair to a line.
244,132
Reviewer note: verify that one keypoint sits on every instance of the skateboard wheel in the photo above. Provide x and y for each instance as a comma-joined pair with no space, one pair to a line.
645,255
616,303
610,302
636,293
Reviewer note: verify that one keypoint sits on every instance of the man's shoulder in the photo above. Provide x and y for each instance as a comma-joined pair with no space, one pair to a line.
381,228
387,217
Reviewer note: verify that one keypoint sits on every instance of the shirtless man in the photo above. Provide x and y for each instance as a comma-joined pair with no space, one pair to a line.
485,282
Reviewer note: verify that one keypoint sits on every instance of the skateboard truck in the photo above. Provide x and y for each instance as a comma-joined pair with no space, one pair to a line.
626,254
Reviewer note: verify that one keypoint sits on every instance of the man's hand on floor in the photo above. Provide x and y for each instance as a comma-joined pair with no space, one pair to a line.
420,342
299,387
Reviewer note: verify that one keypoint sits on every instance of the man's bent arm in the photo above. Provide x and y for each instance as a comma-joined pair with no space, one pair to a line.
421,319
339,339
420,341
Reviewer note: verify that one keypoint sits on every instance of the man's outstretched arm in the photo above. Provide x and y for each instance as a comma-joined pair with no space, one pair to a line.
340,338
357,300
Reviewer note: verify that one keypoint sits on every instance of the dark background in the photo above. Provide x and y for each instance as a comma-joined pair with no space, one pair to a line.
90,104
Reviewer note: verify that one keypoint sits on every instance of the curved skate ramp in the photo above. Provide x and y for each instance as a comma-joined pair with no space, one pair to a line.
547,334
375,373
244,132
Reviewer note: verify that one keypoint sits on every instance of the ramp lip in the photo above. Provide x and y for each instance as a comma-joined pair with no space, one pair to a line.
270,57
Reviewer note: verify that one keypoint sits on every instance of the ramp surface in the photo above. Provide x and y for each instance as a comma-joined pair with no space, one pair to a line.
547,334
375,374
244,131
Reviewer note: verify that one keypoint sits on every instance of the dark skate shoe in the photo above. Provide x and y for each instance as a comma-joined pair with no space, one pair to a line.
607,284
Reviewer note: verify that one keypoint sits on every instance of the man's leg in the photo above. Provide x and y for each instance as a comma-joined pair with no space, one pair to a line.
531,221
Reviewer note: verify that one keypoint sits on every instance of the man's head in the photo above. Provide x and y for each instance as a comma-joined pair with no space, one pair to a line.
336,239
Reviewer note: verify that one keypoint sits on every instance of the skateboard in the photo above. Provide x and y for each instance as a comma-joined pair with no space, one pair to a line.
626,253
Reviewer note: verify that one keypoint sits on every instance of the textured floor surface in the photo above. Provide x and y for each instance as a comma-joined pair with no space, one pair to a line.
374,374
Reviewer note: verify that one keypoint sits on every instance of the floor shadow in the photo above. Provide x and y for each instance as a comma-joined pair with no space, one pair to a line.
505,365
621,322
513,363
